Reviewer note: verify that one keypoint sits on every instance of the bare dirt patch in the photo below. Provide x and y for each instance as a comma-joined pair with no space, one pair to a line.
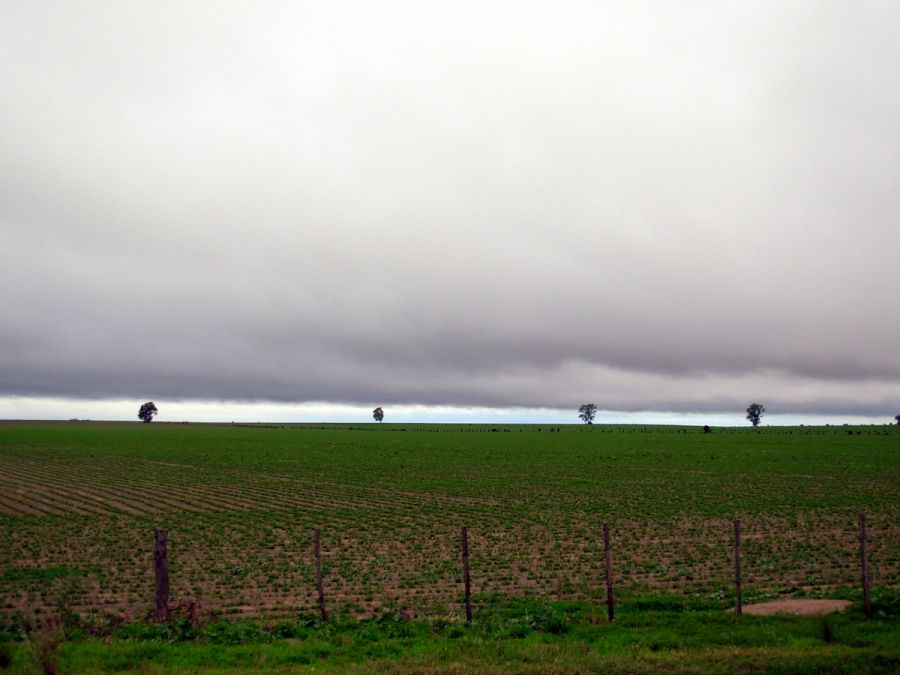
798,607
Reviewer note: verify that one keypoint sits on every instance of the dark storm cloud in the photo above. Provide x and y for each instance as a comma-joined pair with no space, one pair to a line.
649,206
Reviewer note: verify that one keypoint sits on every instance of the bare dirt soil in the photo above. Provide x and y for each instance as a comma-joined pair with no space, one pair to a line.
797,606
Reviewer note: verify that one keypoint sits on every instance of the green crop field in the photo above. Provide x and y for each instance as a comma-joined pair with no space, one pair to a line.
79,503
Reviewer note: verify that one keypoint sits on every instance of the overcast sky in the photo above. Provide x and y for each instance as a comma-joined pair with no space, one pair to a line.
654,206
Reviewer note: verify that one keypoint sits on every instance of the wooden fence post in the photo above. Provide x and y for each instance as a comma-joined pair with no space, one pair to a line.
610,603
161,572
466,581
319,585
737,567
864,565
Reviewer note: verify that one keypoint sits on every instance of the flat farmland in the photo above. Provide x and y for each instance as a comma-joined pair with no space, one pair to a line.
79,502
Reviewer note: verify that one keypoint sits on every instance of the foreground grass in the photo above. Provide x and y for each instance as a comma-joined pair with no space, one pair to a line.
658,634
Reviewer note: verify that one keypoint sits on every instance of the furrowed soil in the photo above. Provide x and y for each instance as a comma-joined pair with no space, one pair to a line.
79,503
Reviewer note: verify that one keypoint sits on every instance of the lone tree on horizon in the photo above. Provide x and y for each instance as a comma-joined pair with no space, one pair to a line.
897,417
755,412
587,412
147,411
378,414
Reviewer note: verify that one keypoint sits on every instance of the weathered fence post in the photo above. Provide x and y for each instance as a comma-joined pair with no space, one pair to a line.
610,612
737,567
161,572
466,581
319,585
864,565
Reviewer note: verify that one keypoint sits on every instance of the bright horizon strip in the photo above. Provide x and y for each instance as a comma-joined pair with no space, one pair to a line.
58,408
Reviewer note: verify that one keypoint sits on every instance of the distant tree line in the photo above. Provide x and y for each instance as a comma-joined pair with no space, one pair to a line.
586,413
